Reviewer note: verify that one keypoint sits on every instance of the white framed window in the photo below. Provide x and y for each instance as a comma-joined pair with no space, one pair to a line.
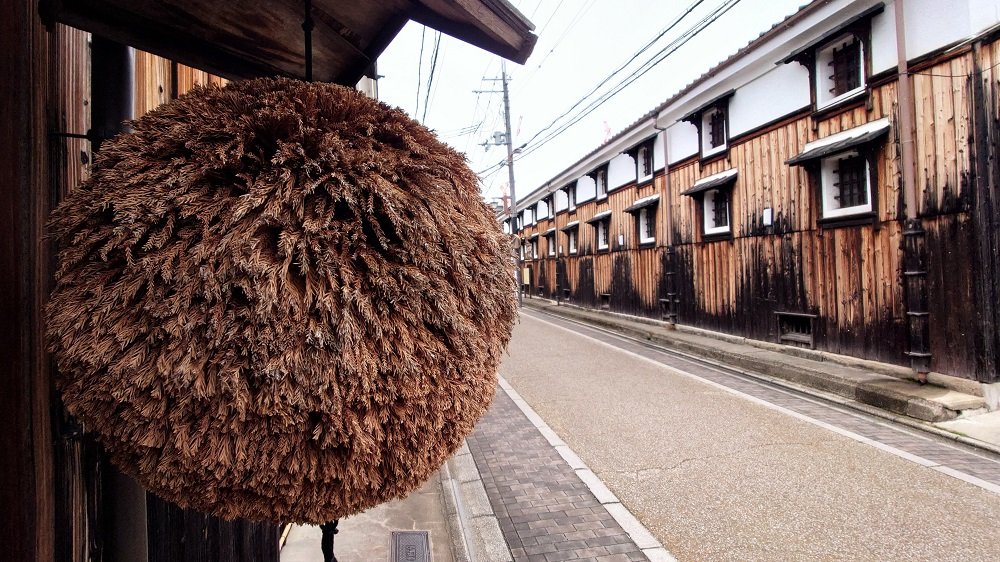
845,184
571,240
715,211
647,225
840,70
714,130
522,252
603,234
550,244
571,196
601,183
534,247
506,226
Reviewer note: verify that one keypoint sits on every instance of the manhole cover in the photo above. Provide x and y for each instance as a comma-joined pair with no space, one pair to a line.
410,546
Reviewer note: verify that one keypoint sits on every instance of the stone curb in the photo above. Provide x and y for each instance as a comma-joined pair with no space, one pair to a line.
848,382
474,528
640,535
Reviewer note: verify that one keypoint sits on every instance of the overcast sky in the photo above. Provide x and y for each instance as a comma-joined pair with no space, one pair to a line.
581,43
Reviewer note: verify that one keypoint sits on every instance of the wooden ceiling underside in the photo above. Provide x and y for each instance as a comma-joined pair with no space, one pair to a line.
246,38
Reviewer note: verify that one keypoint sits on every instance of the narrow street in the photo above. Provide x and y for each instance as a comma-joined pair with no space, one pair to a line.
719,467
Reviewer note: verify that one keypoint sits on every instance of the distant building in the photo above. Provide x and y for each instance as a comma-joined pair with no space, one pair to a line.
769,199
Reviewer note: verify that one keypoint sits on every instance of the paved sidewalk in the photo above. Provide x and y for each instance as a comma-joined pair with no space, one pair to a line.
546,512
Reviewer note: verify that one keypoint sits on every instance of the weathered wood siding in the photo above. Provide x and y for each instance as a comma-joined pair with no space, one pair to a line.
849,277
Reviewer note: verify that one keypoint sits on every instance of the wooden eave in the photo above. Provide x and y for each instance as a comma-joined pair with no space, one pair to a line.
244,39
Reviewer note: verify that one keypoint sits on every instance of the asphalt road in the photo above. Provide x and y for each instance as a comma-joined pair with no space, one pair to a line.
717,476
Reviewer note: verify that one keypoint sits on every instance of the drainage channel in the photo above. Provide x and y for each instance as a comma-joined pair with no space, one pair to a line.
909,439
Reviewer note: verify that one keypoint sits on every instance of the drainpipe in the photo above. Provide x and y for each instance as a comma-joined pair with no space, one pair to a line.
914,248
668,304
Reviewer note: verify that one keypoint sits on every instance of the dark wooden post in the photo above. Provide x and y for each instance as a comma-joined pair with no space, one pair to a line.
986,218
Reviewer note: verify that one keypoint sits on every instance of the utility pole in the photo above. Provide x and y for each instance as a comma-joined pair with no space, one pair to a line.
509,141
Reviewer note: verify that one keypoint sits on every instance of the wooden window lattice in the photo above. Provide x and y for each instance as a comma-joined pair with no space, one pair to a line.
846,66
720,209
717,128
648,224
851,186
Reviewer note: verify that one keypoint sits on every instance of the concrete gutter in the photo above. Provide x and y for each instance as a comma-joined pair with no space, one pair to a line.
928,403
474,528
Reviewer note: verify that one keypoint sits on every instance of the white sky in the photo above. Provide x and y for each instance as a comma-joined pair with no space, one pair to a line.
580,44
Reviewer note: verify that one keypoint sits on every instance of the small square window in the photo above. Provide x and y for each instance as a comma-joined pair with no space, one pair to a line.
715,208
647,225
571,240
714,134
846,185
644,162
840,70
571,196
550,244
534,248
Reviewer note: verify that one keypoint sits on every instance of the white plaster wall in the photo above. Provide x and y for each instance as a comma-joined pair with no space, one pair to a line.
932,24
683,141
586,189
561,200
658,153
883,46
780,91
983,14
621,170
543,210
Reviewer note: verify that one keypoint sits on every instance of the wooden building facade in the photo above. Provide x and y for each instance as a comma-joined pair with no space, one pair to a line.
768,198
65,90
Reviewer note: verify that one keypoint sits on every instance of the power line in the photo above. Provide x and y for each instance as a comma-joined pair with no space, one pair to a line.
638,73
420,64
430,76
615,72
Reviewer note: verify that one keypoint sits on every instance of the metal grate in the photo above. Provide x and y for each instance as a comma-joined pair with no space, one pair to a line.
720,209
410,546
846,65
717,128
850,184
796,328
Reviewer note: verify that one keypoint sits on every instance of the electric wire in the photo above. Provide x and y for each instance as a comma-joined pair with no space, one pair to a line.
635,75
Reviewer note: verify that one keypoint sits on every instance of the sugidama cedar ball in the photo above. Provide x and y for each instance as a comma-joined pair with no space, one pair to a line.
278,300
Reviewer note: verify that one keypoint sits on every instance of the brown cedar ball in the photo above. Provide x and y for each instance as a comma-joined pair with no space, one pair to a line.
279,300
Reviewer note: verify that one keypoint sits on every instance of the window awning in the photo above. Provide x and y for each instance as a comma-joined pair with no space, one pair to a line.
642,203
806,51
550,231
533,236
250,39
841,141
711,182
599,217
570,226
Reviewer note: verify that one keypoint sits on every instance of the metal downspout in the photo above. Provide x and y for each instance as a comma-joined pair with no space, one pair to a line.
668,304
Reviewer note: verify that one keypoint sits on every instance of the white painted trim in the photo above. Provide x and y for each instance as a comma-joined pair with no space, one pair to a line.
721,175
601,215
871,127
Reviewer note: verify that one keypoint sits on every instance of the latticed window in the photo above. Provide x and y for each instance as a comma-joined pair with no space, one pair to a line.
601,179
845,67
720,209
571,196
571,242
550,244
717,128
850,185
602,234
645,161
647,224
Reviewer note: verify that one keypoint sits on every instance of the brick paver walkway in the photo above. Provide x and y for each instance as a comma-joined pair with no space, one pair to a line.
546,512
